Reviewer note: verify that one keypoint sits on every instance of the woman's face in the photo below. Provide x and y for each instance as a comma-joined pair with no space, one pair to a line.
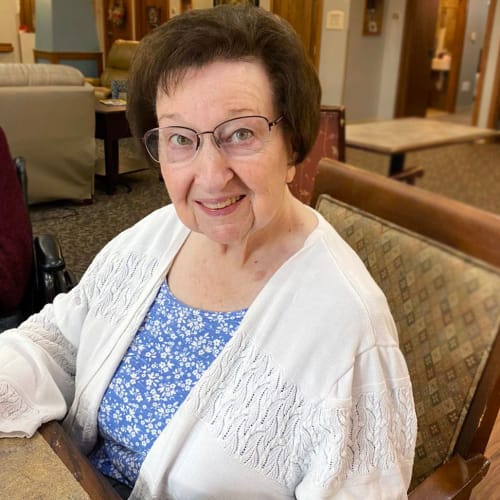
225,197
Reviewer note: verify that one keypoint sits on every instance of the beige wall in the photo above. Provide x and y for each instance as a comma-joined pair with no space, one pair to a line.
9,24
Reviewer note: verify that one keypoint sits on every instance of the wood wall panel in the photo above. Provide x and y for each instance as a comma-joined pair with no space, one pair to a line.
144,21
111,31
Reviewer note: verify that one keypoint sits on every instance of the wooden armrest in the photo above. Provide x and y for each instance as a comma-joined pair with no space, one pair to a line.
84,472
93,81
102,92
453,480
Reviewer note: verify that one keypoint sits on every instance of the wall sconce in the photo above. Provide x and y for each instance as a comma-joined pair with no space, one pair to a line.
373,14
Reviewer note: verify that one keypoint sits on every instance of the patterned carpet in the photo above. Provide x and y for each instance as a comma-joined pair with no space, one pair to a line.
84,229
468,172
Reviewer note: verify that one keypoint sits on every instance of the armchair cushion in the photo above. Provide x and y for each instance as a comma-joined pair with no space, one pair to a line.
447,309
117,66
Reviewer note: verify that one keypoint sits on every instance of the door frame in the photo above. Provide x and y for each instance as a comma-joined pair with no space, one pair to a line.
456,56
495,96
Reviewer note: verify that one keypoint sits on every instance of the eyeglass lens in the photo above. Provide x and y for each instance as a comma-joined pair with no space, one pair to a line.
241,136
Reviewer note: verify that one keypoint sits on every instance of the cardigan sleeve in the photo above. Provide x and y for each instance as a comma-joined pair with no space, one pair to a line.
36,375
365,443
38,361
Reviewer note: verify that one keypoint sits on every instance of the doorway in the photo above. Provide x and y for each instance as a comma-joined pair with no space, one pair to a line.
447,55
440,57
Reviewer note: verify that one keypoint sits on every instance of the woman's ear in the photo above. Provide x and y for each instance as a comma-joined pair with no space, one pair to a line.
292,158
290,174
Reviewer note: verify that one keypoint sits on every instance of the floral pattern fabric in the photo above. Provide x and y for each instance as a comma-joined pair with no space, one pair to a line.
172,349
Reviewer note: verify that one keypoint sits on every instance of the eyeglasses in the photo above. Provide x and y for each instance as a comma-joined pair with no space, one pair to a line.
238,137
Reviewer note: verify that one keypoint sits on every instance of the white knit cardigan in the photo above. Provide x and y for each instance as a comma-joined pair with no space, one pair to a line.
310,399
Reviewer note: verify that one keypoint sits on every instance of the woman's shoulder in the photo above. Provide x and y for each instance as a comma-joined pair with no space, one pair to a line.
338,279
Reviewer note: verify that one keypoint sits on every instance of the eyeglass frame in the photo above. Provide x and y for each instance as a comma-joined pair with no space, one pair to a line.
270,124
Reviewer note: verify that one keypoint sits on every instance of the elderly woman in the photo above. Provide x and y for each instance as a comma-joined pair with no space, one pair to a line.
230,345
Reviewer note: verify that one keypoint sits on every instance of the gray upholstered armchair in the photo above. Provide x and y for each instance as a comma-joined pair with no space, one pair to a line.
48,114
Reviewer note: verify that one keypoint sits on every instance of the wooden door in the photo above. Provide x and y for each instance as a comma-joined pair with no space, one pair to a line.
306,18
417,51
118,22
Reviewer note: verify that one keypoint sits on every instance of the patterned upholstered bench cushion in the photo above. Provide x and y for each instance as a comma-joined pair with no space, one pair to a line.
447,309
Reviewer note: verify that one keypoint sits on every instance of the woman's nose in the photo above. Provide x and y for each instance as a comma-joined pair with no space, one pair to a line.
213,167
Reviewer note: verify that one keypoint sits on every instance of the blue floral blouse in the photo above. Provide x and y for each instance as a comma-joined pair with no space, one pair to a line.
172,349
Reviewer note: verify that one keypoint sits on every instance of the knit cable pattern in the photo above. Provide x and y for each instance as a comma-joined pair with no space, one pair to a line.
286,437
13,404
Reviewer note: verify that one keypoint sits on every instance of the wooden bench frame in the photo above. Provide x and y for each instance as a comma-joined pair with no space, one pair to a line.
465,228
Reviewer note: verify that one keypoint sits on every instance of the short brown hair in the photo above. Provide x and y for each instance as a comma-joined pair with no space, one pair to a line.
199,37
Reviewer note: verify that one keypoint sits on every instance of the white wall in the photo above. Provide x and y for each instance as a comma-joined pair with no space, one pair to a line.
9,25
333,54
372,68
27,45
363,70
473,42
393,25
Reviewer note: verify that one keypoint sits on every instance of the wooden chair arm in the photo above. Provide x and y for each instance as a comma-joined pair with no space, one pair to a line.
91,480
453,480
95,82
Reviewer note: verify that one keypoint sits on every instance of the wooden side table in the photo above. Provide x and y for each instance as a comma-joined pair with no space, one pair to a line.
111,125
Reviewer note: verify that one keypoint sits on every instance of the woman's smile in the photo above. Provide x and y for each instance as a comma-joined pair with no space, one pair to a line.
222,206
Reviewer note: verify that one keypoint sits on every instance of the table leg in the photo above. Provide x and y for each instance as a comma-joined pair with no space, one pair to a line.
397,164
398,171
111,161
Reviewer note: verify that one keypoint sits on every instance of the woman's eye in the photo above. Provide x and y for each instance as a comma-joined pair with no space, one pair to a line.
241,135
179,140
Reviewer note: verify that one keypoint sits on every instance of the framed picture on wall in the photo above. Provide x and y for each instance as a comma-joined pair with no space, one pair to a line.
236,2
153,15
